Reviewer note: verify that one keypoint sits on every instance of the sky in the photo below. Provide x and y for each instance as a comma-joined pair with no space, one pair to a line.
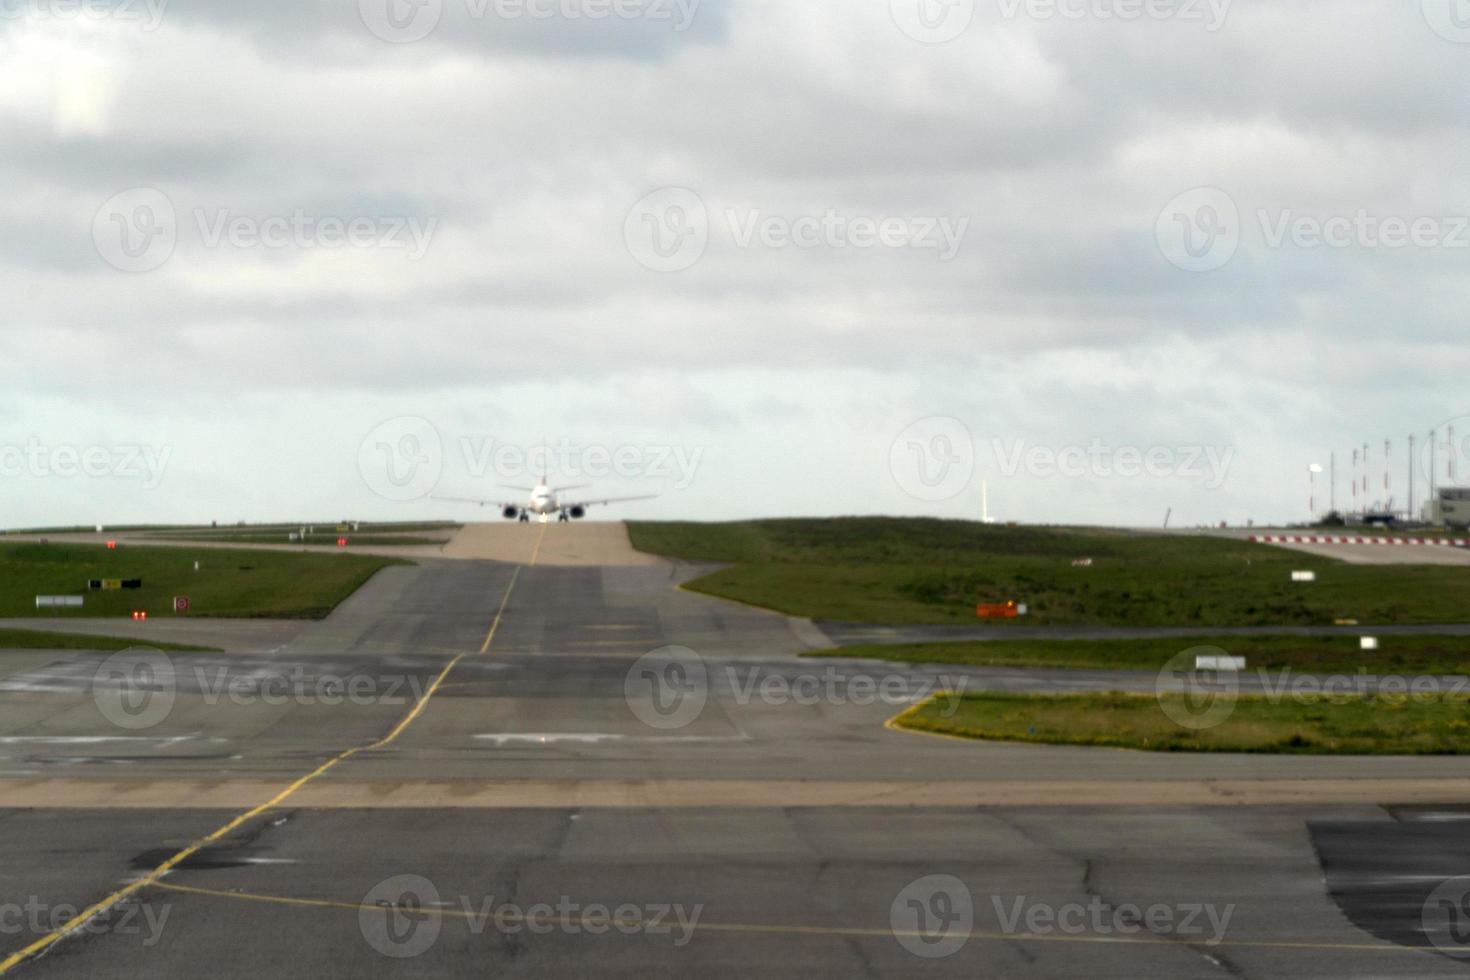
1108,259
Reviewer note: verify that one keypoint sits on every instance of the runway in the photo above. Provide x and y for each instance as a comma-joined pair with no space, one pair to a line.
1353,553
476,767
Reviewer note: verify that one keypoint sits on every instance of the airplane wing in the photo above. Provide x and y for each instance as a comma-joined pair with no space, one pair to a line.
502,504
575,486
568,504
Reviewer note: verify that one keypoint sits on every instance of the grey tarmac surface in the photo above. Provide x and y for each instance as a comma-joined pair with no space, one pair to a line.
245,635
563,767
1353,554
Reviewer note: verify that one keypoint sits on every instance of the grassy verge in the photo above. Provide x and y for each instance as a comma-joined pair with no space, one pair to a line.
1305,654
415,533
283,585
42,640
1299,725
324,539
895,570
321,527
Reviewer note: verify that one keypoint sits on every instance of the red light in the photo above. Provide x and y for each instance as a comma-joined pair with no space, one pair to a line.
341,542
139,614
112,546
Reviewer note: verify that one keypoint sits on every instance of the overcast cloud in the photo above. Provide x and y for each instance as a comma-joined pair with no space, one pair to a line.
1111,257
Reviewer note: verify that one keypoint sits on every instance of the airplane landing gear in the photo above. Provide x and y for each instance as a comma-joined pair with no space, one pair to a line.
562,518
525,518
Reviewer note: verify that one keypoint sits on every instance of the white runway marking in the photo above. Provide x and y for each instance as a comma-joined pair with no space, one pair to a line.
597,738
93,739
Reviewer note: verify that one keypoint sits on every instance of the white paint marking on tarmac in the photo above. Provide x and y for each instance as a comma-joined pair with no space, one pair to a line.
1437,817
93,739
1399,879
502,739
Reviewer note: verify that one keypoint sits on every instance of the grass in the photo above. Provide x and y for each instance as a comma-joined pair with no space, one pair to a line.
1303,654
417,533
896,570
281,585
364,527
1357,725
325,538
84,529
42,640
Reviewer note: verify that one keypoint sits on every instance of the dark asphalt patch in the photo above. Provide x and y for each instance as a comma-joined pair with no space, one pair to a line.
1382,874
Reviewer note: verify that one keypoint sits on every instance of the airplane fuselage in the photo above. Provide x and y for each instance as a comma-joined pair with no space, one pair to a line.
543,501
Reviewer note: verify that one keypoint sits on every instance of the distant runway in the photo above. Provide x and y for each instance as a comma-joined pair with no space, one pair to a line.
1352,553
511,748
587,543
583,543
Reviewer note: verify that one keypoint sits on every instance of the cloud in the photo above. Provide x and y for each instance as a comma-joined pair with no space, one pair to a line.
827,153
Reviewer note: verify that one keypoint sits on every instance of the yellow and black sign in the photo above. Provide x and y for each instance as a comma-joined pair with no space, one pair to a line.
114,584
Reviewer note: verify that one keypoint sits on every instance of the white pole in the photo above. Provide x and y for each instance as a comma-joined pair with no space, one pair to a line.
1355,481
1387,467
1365,478
1450,453
1409,508
1332,481
1433,465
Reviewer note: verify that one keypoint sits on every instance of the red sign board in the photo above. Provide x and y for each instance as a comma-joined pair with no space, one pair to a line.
997,610
181,603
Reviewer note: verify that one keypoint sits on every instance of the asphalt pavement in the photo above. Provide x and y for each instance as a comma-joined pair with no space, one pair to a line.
484,768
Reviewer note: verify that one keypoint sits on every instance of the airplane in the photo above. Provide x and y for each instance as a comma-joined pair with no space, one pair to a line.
544,502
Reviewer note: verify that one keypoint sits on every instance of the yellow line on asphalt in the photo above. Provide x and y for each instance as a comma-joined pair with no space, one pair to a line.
896,723
153,877
499,613
780,928
536,551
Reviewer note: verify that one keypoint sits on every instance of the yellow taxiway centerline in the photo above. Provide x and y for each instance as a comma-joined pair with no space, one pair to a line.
783,928
154,877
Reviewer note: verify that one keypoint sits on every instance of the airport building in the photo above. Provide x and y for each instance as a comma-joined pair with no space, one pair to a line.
1452,507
